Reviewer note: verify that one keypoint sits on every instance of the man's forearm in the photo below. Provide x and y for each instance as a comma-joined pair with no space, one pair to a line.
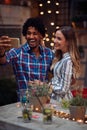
2,55
2,59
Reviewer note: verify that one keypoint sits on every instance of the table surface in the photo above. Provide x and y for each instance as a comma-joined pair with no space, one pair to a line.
10,119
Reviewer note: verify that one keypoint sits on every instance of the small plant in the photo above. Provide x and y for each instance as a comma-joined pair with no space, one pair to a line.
39,90
78,101
65,103
78,105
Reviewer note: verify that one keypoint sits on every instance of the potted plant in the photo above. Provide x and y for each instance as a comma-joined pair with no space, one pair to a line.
38,94
77,106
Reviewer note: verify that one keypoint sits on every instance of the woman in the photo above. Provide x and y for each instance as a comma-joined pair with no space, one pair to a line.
66,64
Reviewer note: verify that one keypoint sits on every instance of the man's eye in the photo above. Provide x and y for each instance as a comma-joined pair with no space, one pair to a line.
35,33
28,33
31,33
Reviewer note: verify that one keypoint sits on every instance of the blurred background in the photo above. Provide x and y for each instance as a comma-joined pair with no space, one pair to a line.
55,13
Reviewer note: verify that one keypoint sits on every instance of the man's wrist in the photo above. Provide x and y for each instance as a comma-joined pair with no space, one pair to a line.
2,55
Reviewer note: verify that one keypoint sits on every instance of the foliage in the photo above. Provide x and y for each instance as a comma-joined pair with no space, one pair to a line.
35,90
38,90
65,103
78,101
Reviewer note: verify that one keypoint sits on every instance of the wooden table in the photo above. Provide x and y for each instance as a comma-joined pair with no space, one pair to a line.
10,119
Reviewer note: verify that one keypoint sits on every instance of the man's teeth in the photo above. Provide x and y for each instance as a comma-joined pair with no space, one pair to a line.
32,40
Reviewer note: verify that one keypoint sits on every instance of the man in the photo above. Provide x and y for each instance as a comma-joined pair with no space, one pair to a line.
31,61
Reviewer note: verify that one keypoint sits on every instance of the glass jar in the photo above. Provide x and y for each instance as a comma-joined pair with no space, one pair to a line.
27,112
26,106
47,114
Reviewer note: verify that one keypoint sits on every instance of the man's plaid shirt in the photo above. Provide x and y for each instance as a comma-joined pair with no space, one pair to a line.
27,66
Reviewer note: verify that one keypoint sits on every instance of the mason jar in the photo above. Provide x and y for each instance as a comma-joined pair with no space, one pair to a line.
27,113
47,114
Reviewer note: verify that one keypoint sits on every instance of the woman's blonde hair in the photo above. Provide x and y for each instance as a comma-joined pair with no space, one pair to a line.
70,36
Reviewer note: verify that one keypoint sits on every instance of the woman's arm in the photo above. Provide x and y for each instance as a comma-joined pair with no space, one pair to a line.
66,76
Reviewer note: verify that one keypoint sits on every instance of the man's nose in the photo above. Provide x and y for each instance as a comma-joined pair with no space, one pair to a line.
31,35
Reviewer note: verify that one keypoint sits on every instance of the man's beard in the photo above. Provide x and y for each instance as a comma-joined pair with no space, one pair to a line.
33,47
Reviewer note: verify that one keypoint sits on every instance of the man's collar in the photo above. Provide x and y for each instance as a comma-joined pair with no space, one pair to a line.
28,49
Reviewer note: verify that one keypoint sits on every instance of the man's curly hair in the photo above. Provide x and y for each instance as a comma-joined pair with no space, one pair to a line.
34,22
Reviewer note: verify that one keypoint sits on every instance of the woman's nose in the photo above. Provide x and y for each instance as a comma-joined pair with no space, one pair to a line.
55,40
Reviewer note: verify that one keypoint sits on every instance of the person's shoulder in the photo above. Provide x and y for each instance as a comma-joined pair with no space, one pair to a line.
47,50
24,47
66,57
67,61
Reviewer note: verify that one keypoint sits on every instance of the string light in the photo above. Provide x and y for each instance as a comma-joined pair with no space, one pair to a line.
57,3
48,1
46,35
41,13
57,12
53,33
49,11
40,4
51,44
52,23
52,38
57,27
47,39
48,8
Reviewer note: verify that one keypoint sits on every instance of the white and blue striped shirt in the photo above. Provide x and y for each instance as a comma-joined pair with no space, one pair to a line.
63,75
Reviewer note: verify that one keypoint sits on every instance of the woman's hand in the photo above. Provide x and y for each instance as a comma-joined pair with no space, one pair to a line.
35,82
38,82
50,89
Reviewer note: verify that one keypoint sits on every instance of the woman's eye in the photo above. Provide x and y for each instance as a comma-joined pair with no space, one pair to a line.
58,38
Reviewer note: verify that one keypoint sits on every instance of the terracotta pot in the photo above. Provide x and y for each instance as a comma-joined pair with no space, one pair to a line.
77,112
38,102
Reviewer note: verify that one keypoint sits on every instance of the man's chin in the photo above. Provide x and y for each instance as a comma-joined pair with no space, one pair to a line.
32,47
57,48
